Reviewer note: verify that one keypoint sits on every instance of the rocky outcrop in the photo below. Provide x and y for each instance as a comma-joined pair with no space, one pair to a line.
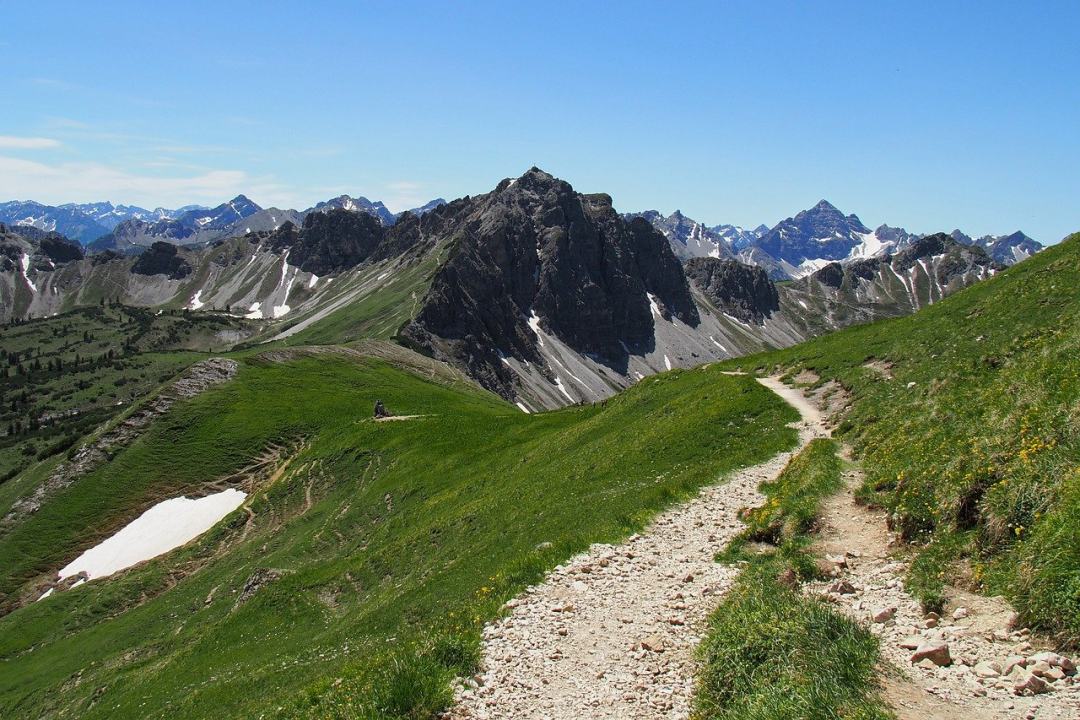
831,275
536,254
329,241
59,249
336,239
742,291
162,258
954,260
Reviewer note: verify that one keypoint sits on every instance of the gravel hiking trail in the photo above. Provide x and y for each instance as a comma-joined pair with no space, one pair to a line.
973,683
611,632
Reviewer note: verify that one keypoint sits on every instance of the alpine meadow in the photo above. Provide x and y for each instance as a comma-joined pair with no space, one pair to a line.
497,362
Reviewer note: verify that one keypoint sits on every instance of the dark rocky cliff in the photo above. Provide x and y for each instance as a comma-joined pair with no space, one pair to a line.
535,248
742,291
161,258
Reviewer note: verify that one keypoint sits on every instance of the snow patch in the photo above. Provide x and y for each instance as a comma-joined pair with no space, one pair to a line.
534,323
254,312
737,321
654,306
283,308
24,262
871,246
667,362
284,267
562,389
162,528
522,407
196,302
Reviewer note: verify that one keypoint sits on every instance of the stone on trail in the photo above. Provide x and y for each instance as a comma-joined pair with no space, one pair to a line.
911,643
883,615
842,587
1026,682
1013,661
935,651
654,643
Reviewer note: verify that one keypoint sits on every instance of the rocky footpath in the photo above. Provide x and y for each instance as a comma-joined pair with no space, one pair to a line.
968,662
611,632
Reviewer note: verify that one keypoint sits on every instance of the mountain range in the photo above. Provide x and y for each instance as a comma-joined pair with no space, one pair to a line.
806,242
128,227
542,294
794,247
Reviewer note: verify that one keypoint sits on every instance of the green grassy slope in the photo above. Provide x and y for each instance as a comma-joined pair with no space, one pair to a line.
972,438
78,369
416,532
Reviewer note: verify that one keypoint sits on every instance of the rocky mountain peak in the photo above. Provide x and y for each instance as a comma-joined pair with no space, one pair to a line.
820,233
535,253
961,237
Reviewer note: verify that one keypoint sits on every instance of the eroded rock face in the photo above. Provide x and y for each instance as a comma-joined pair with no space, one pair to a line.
957,259
60,250
535,248
329,241
742,291
162,258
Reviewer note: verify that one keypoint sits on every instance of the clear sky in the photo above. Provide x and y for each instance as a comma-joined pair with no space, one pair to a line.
927,115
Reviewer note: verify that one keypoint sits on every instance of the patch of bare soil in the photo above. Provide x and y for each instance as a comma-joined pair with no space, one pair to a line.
881,367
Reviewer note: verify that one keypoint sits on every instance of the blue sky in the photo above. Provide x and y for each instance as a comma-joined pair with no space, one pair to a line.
914,114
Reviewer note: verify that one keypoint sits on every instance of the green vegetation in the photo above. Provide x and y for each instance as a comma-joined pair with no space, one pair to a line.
391,543
772,653
968,424
64,376
374,314
794,499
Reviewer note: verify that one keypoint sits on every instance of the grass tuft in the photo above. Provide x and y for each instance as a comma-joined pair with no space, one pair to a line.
771,653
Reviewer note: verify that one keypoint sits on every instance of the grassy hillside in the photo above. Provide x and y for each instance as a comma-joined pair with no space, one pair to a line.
62,377
377,553
967,417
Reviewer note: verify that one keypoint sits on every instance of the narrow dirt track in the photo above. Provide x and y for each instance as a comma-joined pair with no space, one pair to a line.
611,633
